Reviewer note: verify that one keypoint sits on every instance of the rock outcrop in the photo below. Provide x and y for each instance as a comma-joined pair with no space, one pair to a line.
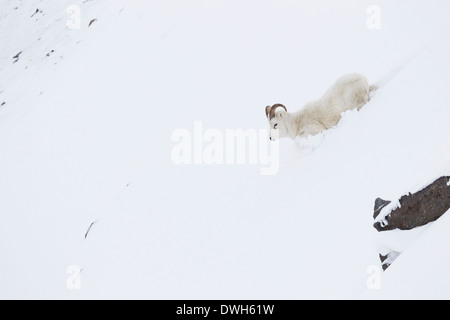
416,209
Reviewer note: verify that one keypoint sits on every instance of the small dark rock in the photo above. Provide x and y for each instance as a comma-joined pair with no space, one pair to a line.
37,10
379,205
388,259
3,103
382,258
17,55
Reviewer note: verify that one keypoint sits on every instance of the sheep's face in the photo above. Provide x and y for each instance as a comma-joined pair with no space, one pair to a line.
278,125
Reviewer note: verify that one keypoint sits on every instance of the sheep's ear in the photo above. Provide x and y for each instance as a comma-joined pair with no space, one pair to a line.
267,111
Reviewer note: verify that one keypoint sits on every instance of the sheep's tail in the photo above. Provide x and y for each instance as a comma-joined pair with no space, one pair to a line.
372,88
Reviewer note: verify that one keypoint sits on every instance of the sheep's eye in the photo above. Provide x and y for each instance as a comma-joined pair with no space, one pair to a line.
275,125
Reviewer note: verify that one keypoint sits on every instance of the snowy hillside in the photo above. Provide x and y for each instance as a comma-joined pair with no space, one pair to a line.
94,95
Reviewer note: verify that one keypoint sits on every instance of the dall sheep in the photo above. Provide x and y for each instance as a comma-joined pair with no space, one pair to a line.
348,92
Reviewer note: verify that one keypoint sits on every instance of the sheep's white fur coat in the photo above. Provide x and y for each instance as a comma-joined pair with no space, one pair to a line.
348,92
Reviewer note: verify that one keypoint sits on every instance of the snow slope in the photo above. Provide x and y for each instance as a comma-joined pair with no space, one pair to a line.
85,136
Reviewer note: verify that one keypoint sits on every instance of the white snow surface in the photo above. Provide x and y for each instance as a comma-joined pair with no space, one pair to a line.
85,135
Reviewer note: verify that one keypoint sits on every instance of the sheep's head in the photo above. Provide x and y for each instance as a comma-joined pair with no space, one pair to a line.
277,121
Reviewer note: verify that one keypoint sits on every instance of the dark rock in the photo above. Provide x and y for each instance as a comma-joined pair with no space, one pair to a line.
388,259
379,205
37,11
419,208
17,55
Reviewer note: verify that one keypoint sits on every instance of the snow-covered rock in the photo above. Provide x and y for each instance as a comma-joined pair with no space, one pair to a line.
417,209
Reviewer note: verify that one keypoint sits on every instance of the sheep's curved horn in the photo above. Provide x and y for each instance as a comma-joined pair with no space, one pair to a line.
267,111
274,107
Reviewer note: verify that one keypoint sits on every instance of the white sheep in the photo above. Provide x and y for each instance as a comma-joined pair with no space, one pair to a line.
348,92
